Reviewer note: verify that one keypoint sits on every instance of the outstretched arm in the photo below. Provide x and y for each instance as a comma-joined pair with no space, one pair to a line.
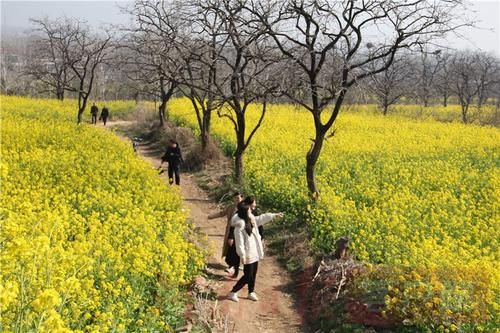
267,217
217,215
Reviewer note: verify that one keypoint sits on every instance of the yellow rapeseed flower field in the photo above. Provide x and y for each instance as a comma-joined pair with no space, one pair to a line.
419,196
91,238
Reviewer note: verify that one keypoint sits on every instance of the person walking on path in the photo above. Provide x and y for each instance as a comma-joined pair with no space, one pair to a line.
173,157
249,247
104,115
228,246
93,111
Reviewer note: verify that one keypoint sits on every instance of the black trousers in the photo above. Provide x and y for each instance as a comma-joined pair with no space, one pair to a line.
173,168
249,275
94,119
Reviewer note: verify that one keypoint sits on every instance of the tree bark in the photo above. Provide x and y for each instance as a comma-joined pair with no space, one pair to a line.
238,166
205,131
240,147
82,104
162,112
465,109
445,99
60,93
311,160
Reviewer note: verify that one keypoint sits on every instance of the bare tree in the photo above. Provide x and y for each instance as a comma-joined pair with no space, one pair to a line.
70,55
50,47
15,55
314,34
465,81
85,53
488,73
426,69
203,45
153,59
389,86
444,76
244,74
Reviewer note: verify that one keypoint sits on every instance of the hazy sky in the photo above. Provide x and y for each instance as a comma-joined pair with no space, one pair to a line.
15,16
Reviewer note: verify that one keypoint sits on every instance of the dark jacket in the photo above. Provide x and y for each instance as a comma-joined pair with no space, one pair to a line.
104,113
94,110
173,155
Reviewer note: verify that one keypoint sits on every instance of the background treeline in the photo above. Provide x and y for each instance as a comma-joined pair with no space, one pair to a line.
65,57
225,55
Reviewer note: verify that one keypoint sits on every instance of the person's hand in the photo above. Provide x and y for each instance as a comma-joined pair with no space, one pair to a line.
230,242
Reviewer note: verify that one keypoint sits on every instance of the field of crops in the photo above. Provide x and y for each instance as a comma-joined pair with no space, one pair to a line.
487,115
91,239
419,196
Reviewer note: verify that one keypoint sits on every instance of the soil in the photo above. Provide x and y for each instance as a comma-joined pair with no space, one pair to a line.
276,310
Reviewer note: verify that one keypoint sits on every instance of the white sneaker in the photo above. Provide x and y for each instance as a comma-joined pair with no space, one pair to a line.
253,297
229,270
233,297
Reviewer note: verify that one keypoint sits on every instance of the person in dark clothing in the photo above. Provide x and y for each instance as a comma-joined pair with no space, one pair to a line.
104,115
228,246
93,111
173,157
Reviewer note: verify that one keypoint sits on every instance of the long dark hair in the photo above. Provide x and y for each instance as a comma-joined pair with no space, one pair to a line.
249,200
243,208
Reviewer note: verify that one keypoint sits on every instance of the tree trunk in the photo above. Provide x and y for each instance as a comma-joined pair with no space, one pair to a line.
480,100
161,112
238,166
465,109
82,104
240,147
60,93
311,160
445,99
426,102
385,105
205,131
80,114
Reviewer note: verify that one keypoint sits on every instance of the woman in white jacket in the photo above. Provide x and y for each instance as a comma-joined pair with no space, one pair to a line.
248,246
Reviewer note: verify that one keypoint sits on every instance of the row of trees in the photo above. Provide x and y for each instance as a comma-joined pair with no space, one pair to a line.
468,77
227,54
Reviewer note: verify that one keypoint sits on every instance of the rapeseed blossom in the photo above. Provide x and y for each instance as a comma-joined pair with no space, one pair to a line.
90,234
420,197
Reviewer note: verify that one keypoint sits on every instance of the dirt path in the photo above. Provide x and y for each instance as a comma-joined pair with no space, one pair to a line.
275,311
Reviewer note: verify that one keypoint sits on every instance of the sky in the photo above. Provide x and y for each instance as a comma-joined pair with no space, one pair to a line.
15,17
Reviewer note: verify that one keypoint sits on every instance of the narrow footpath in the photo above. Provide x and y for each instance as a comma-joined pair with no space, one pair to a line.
275,311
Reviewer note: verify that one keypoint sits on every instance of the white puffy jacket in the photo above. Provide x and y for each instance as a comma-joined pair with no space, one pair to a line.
249,247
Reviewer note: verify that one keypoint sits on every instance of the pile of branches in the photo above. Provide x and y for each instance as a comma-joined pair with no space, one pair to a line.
333,276
335,296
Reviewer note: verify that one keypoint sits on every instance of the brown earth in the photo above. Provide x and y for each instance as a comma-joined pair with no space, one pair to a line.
276,310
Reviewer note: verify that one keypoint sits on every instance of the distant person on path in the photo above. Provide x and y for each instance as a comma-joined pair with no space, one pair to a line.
93,111
228,246
173,157
134,145
104,115
248,246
